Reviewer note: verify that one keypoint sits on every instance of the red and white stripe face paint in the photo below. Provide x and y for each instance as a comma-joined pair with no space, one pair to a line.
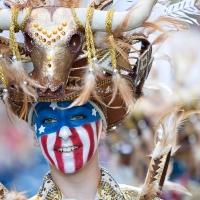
84,138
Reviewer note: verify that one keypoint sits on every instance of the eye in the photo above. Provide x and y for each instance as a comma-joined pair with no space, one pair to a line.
75,42
49,121
78,117
29,42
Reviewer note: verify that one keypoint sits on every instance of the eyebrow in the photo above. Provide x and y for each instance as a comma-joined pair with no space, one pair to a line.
41,108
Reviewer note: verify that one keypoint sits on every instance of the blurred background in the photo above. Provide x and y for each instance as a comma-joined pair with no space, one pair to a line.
174,78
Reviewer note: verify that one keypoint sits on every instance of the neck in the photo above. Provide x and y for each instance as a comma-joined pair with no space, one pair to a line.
83,183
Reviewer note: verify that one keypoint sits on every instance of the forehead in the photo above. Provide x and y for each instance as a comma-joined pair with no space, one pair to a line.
49,18
64,104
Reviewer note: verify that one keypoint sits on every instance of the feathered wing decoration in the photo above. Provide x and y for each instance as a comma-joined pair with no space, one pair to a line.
166,144
180,10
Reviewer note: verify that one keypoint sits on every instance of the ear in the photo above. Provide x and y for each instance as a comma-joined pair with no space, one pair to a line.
35,143
103,133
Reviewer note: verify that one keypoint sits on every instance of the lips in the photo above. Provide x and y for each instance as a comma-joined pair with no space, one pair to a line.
67,149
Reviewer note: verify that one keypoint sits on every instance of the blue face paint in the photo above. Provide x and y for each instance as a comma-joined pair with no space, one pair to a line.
50,119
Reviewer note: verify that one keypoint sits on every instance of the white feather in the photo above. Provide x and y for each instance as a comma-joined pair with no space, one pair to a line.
14,195
178,10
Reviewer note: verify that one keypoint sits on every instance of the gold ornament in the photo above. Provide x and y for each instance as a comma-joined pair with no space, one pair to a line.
49,35
49,58
60,28
39,28
54,31
44,32
35,25
64,23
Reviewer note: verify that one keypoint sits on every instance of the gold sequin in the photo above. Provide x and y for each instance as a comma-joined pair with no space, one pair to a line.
39,28
36,34
63,33
60,28
48,42
53,40
48,58
44,40
49,35
40,37
49,65
64,23
58,37
44,32
55,31
35,25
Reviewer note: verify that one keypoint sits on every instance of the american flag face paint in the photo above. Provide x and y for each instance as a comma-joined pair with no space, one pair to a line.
69,137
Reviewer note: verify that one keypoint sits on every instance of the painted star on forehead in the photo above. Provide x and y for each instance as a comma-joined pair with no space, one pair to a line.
35,127
53,105
41,129
94,112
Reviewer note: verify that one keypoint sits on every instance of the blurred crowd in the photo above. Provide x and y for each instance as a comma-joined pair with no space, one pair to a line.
174,78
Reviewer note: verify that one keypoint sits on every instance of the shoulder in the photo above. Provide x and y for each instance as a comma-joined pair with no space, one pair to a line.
130,192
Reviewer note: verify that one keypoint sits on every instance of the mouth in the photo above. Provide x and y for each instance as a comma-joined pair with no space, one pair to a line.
67,149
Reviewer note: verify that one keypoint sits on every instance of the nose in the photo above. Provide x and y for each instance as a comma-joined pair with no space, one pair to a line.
65,133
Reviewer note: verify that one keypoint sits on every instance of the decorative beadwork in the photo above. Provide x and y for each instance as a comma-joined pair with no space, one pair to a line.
49,34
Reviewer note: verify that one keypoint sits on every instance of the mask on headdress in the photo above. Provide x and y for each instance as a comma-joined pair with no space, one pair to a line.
74,60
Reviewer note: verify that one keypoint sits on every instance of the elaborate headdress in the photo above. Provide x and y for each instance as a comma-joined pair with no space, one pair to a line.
83,54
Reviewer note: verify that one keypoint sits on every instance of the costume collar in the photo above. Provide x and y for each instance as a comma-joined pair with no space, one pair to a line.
108,189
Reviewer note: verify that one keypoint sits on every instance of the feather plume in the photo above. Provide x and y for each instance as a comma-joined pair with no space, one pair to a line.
24,110
158,86
171,24
101,40
14,195
88,89
9,111
166,131
180,10
117,48
154,26
119,30
121,42
150,192
125,91
16,73
98,72
176,187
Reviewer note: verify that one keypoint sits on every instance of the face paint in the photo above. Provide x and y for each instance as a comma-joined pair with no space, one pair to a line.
69,137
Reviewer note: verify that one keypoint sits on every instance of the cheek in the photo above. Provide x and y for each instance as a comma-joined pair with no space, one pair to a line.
47,143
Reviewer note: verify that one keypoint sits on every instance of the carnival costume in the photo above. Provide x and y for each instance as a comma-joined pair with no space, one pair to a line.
83,52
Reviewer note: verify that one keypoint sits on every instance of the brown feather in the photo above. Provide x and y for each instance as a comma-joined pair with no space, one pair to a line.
179,24
24,110
119,30
127,45
88,88
154,26
9,111
117,48
160,39
125,91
